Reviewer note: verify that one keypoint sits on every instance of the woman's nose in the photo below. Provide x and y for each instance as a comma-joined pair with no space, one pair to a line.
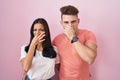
38,31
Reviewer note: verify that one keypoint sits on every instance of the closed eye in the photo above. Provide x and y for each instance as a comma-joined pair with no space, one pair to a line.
66,22
73,21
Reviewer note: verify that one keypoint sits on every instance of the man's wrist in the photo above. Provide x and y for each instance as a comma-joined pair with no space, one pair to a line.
74,39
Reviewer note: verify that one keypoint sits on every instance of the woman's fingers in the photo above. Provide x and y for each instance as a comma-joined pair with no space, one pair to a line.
41,37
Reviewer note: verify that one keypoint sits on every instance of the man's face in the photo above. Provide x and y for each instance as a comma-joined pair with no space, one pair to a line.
70,21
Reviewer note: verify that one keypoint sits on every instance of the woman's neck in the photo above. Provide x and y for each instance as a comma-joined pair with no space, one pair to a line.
39,47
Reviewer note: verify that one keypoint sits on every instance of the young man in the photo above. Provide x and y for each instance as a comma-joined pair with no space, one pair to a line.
77,47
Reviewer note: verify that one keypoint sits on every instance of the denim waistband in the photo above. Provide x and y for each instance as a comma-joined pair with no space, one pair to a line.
27,78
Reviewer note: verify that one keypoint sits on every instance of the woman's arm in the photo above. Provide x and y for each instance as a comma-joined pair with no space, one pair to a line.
27,60
24,75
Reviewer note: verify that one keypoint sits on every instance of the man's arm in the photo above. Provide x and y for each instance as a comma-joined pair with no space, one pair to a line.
57,66
87,52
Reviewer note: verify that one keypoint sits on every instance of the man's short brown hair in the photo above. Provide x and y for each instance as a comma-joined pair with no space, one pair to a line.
69,10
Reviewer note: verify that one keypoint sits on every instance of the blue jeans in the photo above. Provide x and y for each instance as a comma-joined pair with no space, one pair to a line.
27,78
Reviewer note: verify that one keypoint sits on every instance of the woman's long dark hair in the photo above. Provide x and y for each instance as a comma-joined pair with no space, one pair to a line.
48,50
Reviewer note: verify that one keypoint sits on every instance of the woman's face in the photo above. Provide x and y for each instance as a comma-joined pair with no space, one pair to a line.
38,28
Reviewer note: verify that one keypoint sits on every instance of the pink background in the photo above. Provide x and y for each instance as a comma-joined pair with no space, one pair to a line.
100,16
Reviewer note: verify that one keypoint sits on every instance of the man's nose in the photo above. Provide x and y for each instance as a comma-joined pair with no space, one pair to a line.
70,24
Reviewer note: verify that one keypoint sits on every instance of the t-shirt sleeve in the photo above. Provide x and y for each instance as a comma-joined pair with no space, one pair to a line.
53,42
23,53
90,37
57,61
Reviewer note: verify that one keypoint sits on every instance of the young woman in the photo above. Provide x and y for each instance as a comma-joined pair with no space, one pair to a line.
38,58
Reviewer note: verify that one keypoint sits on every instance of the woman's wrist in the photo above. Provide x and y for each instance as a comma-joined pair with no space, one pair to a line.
32,45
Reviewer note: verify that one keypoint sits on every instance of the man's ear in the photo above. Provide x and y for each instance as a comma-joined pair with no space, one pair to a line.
78,21
61,22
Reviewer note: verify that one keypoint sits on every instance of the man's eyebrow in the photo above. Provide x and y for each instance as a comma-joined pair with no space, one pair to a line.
65,21
73,21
